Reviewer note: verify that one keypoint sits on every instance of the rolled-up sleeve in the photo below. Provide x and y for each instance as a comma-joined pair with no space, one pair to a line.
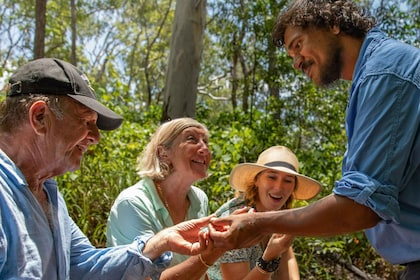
119,262
382,199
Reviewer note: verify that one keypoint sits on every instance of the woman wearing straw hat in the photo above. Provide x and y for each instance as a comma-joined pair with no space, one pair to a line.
272,183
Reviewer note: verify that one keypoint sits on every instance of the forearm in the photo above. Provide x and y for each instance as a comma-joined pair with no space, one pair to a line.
332,215
329,216
242,271
335,215
193,268
289,268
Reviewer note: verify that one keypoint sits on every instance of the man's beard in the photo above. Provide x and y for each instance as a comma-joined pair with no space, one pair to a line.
331,70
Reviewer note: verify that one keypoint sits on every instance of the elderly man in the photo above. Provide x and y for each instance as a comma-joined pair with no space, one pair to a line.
49,119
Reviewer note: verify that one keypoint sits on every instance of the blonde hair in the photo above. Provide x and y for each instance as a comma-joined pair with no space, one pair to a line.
149,163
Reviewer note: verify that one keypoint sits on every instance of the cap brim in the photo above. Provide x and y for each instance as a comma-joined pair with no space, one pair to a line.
243,175
107,119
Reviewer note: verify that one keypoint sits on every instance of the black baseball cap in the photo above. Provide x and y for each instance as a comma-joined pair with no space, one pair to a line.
55,76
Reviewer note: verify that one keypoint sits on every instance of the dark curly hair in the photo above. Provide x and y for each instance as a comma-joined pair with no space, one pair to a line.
345,14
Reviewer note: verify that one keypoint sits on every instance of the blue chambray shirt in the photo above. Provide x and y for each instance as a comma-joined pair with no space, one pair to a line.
29,249
381,167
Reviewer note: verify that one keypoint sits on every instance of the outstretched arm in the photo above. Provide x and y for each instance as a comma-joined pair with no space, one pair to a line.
328,216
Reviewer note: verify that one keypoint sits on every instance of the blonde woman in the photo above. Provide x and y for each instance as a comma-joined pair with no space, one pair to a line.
176,156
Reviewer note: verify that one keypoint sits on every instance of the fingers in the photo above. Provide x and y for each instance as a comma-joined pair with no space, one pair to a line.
201,245
221,224
216,233
190,229
204,237
284,237
198,223
278,236
241,210
204,243
280,241
221,236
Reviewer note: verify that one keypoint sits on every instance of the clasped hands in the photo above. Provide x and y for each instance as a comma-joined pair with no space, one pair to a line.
238,230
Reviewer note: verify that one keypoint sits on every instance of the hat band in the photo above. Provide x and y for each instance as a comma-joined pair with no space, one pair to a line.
280,164
20,88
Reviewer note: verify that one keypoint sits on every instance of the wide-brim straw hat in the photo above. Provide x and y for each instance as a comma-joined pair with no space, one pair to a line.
277,158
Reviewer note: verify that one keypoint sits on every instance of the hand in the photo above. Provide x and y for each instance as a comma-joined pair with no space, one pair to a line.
210,254
277,245
184,238
238,230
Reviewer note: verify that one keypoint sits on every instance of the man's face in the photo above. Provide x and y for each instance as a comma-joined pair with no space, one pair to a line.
69,138
316,52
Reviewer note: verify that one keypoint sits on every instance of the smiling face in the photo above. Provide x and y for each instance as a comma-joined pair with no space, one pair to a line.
69,137
189,154
316,52
274,189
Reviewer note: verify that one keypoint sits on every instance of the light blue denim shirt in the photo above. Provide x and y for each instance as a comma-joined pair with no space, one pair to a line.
30,249
381,167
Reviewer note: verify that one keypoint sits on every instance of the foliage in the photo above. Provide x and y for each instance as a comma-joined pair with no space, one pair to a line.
340,257
392,18
110,167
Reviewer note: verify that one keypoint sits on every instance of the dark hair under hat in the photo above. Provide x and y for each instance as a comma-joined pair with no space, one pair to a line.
55,76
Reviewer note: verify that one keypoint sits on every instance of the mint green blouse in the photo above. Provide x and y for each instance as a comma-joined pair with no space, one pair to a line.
138,210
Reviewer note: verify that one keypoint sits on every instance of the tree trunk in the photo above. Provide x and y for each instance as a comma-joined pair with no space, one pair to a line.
184,59
73,56
40,22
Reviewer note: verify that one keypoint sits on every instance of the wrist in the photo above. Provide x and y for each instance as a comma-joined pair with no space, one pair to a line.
268,257
148,248
156,245
267,266
205,263
262,271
